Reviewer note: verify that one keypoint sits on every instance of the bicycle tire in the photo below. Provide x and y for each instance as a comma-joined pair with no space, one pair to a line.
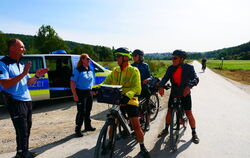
103,148
154,99
173,129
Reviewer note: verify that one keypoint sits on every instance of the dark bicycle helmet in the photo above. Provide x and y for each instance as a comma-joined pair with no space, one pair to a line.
123,52
138,52
180,53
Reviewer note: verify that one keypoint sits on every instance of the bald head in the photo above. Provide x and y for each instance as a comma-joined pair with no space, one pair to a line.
16,48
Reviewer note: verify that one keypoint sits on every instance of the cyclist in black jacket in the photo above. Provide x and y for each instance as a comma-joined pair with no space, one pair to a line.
138,58
182,77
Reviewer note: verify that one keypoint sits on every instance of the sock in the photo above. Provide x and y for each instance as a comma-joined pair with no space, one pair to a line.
193,131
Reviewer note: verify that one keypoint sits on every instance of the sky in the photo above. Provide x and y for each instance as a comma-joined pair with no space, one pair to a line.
150,25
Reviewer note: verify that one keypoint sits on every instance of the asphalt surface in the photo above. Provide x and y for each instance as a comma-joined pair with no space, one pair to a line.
222,113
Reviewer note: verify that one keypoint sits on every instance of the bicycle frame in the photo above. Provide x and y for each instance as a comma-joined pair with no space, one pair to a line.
115,113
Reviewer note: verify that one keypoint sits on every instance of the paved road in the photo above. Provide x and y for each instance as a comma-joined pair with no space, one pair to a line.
222,113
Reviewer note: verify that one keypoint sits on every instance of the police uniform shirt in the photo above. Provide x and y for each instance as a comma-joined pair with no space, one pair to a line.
10,68
84,78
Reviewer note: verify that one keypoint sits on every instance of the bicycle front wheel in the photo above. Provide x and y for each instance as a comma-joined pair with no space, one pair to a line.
154,105
174,129
106,141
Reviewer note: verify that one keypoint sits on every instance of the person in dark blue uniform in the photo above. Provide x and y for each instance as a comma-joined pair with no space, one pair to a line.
14,80
81,84
138,58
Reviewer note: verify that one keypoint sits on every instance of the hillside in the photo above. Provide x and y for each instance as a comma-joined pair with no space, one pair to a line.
102,53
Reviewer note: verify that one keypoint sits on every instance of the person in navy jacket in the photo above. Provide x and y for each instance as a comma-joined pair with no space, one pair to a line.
138,58
182,77
81,84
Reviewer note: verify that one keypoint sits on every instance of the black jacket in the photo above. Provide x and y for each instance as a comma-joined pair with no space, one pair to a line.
189,78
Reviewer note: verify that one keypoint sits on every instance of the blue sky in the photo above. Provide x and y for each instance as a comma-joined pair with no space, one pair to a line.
150,25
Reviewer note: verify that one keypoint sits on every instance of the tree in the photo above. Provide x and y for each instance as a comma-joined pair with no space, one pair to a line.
3,44
47,40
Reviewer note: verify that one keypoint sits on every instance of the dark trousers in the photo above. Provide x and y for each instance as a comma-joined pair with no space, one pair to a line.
84,107
21,116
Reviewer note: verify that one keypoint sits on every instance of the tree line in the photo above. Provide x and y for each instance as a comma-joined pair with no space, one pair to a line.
47,40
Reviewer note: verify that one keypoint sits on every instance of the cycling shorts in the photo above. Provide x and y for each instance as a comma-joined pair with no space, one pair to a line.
186,102
130,110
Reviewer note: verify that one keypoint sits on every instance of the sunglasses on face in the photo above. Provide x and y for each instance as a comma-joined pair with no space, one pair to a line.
174,58
118,56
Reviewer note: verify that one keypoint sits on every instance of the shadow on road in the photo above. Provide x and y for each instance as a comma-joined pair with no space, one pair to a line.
44,148
83,153
101,116
162,147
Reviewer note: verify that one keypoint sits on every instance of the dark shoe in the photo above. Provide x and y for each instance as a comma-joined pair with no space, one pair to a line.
34,154
164,132
79,133
195,139
147,127
26,154
145,153
90,129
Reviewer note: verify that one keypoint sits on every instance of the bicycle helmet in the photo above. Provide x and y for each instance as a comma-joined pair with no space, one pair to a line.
138,52
123,52
180,53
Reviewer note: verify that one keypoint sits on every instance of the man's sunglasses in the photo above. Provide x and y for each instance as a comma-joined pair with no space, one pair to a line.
174,58
118,56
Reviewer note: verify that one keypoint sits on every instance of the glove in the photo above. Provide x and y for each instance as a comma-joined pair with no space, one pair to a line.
124,99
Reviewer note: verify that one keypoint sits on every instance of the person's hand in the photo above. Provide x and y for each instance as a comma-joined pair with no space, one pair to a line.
41,72
93,92
161,91
124,99
186,91
27,67
145,81
75,98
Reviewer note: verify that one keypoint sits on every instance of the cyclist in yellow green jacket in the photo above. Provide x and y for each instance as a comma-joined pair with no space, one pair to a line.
129,77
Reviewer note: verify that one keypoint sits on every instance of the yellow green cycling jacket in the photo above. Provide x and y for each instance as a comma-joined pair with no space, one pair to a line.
130,80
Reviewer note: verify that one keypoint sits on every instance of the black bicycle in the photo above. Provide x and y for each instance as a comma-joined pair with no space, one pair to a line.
115,124
178,120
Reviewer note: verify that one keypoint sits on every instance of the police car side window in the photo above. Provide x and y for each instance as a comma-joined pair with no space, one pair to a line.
37,63
97,68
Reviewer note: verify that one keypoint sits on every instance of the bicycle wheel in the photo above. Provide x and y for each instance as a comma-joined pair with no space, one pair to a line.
105,144
154,105
174,131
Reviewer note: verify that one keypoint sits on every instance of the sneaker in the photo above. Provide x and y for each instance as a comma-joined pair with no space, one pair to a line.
164,132
90,129
145,153
195,139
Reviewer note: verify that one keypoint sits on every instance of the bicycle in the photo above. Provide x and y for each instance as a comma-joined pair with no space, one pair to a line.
107,137
178,118
203,67
149,106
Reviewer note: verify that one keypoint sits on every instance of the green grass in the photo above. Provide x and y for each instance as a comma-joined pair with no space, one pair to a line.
229,64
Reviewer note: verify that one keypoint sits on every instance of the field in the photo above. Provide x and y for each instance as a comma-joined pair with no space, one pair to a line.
238,70
229,64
